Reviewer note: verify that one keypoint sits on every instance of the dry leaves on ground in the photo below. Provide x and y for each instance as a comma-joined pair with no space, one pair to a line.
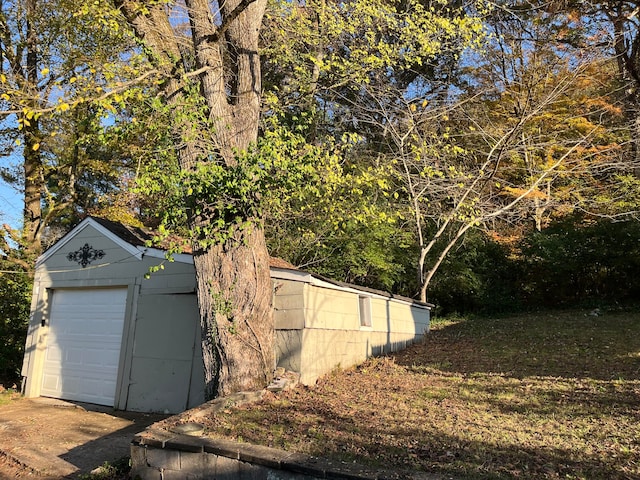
529,397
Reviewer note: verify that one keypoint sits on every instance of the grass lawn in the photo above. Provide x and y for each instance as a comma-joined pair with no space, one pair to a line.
540,396
8,395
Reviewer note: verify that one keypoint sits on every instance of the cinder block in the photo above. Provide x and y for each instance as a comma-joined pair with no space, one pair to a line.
145,473
262,456
219,446
138,456
173,475
227,468
251,472
166,459
185,443
192,463
209,462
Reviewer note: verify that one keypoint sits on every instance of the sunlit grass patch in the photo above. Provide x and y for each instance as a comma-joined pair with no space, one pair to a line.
8,395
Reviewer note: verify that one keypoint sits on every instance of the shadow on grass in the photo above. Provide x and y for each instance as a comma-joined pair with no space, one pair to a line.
550,396
565,344
543,396
344,437
492,458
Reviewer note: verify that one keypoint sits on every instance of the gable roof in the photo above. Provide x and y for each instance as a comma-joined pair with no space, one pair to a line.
130,247
135,240
134,235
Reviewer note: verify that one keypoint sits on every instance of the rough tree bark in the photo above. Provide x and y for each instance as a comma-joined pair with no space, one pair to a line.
233,283
626,45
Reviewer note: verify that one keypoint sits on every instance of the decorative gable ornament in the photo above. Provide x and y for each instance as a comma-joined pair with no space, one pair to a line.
85,255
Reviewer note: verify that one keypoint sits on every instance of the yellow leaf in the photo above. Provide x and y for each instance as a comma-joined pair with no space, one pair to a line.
35,147
3,78
4,96
44,71
63,107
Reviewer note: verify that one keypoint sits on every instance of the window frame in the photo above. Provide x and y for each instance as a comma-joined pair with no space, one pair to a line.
364,312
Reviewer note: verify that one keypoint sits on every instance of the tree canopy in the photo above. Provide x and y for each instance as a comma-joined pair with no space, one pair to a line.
377,142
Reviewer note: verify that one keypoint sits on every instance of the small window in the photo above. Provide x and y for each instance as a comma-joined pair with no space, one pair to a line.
364,307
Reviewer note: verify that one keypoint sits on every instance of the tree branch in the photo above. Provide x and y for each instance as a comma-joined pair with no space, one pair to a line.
120,87
228,20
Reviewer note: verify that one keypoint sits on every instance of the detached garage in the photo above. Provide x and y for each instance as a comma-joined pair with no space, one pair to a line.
102,331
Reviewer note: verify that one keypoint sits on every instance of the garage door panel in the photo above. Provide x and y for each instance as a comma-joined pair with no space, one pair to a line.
89,327
53,354
50,382
88,350
82,389
90,375
92,363
83,345
105,341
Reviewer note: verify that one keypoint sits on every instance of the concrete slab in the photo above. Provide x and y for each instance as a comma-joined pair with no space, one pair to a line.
62,439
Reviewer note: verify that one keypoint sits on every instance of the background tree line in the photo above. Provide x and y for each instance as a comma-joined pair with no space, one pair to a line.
481,156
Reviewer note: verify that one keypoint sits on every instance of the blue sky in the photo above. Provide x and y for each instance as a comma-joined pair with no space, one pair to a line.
10,206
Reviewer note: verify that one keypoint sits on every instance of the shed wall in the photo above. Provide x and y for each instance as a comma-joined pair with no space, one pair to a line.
334,337
288,304
166,372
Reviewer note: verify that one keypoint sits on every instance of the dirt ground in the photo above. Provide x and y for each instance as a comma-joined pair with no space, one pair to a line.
11,469
53,439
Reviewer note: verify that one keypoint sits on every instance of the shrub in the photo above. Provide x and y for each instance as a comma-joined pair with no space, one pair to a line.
15,293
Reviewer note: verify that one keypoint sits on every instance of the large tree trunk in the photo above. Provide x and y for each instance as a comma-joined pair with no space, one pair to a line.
234,293
627,48
233,282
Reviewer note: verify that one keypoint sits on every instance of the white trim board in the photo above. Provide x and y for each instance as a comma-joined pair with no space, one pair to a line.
89,222
306,277
158,253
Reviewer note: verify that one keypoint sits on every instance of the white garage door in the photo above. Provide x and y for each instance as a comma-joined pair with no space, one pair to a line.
83,345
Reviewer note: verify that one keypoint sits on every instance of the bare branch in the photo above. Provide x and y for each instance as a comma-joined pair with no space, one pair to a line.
117,88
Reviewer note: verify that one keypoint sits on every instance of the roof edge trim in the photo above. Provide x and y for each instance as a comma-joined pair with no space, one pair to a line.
321,282
158,253
88,222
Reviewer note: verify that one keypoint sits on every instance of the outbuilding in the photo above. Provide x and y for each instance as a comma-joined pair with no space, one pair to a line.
104,331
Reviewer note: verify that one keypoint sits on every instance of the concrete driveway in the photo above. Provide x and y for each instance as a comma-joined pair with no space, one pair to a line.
61,439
